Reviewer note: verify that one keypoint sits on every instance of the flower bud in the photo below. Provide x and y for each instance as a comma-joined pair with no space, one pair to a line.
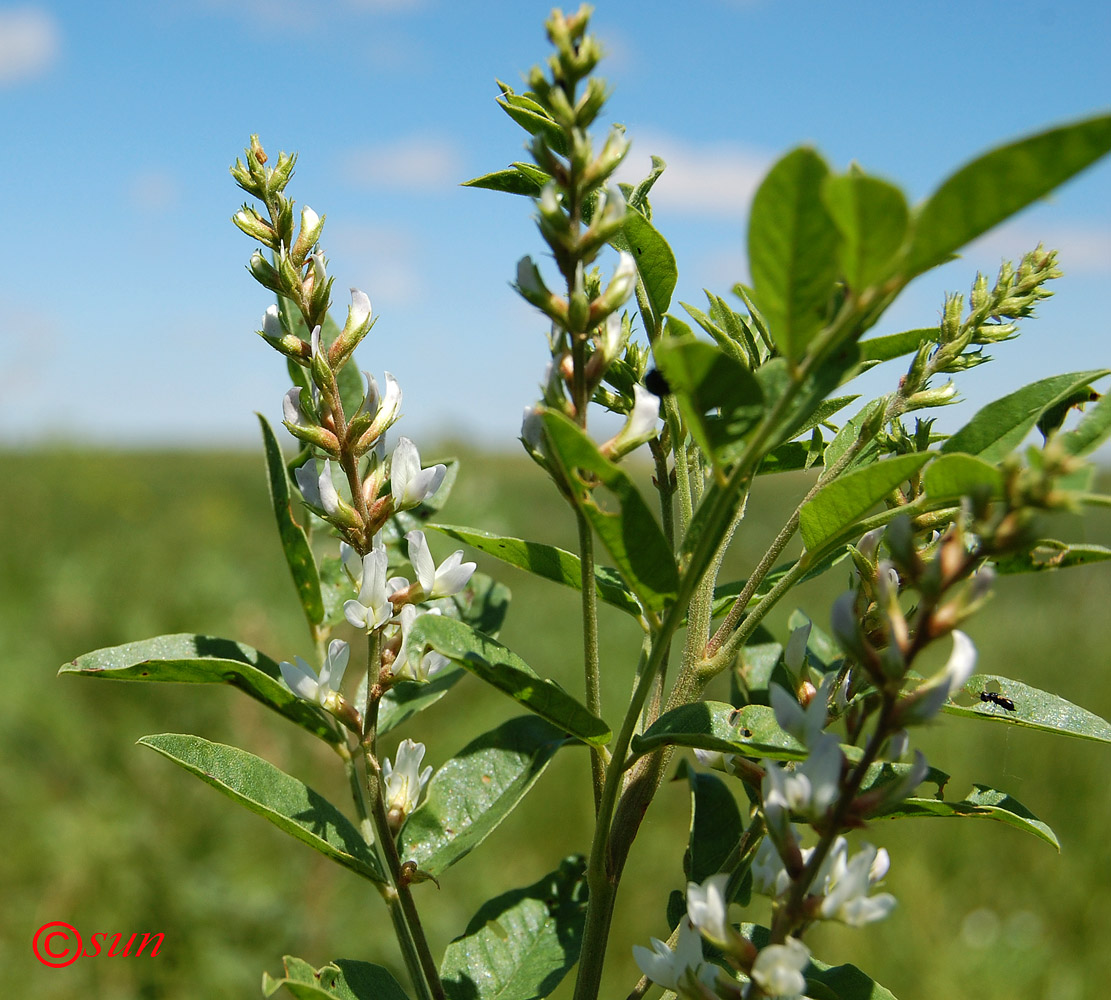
264,272
250,222
640,426
311,227
618,291
355,329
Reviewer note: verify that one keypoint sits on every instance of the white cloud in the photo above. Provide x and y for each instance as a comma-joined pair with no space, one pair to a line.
414,163
29,44
717,178
1082,248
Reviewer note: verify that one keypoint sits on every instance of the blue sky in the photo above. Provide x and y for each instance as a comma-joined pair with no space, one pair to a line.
126,315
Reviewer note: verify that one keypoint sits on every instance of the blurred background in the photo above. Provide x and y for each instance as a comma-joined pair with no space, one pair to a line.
135,493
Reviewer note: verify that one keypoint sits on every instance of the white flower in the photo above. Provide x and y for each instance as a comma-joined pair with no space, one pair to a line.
805,725
769,876
309,218
409,483
271,323
778,969
359,311
291,408
318,266
708,909
528,278
386,409
613,338
448,578
372,608
809,790
716,759
926,702
640,425
794,656
410,664
847,882
622,283
404,780
666,967
303,681
318,490
314,339
532,429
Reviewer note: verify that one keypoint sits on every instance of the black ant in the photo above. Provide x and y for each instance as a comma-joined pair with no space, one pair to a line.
997,699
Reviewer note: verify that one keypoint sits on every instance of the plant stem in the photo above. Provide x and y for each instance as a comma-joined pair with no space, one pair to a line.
590,647
399,900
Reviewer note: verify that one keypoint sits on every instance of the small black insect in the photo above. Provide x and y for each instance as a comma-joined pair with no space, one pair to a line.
656,384
997,699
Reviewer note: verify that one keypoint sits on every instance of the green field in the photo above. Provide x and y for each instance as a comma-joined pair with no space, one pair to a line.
103,548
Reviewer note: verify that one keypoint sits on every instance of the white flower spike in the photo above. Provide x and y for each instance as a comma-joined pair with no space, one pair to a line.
448,578
409,483
303,681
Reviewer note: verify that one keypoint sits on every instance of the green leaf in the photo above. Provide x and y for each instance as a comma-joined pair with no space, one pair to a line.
872,217
792,250
512,180
1034,709
203,659
533,119
501,667
521,944
838,506
1092,431
981,803
846,437
406,698
545,561
895,345
473,792
997,429
1049,553
295,543
630,533
720,399
950,477
715,823
279,797
637,197
998,184
714,725
344,979
731,346
656,270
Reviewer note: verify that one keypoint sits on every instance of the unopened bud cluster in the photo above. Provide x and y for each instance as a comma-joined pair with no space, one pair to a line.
578,214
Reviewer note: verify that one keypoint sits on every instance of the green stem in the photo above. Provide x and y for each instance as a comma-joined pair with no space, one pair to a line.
419,962
590,647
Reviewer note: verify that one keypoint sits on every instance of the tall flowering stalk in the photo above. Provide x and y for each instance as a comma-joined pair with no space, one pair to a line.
818,731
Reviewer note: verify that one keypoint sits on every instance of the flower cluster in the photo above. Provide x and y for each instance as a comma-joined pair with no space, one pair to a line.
777,969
